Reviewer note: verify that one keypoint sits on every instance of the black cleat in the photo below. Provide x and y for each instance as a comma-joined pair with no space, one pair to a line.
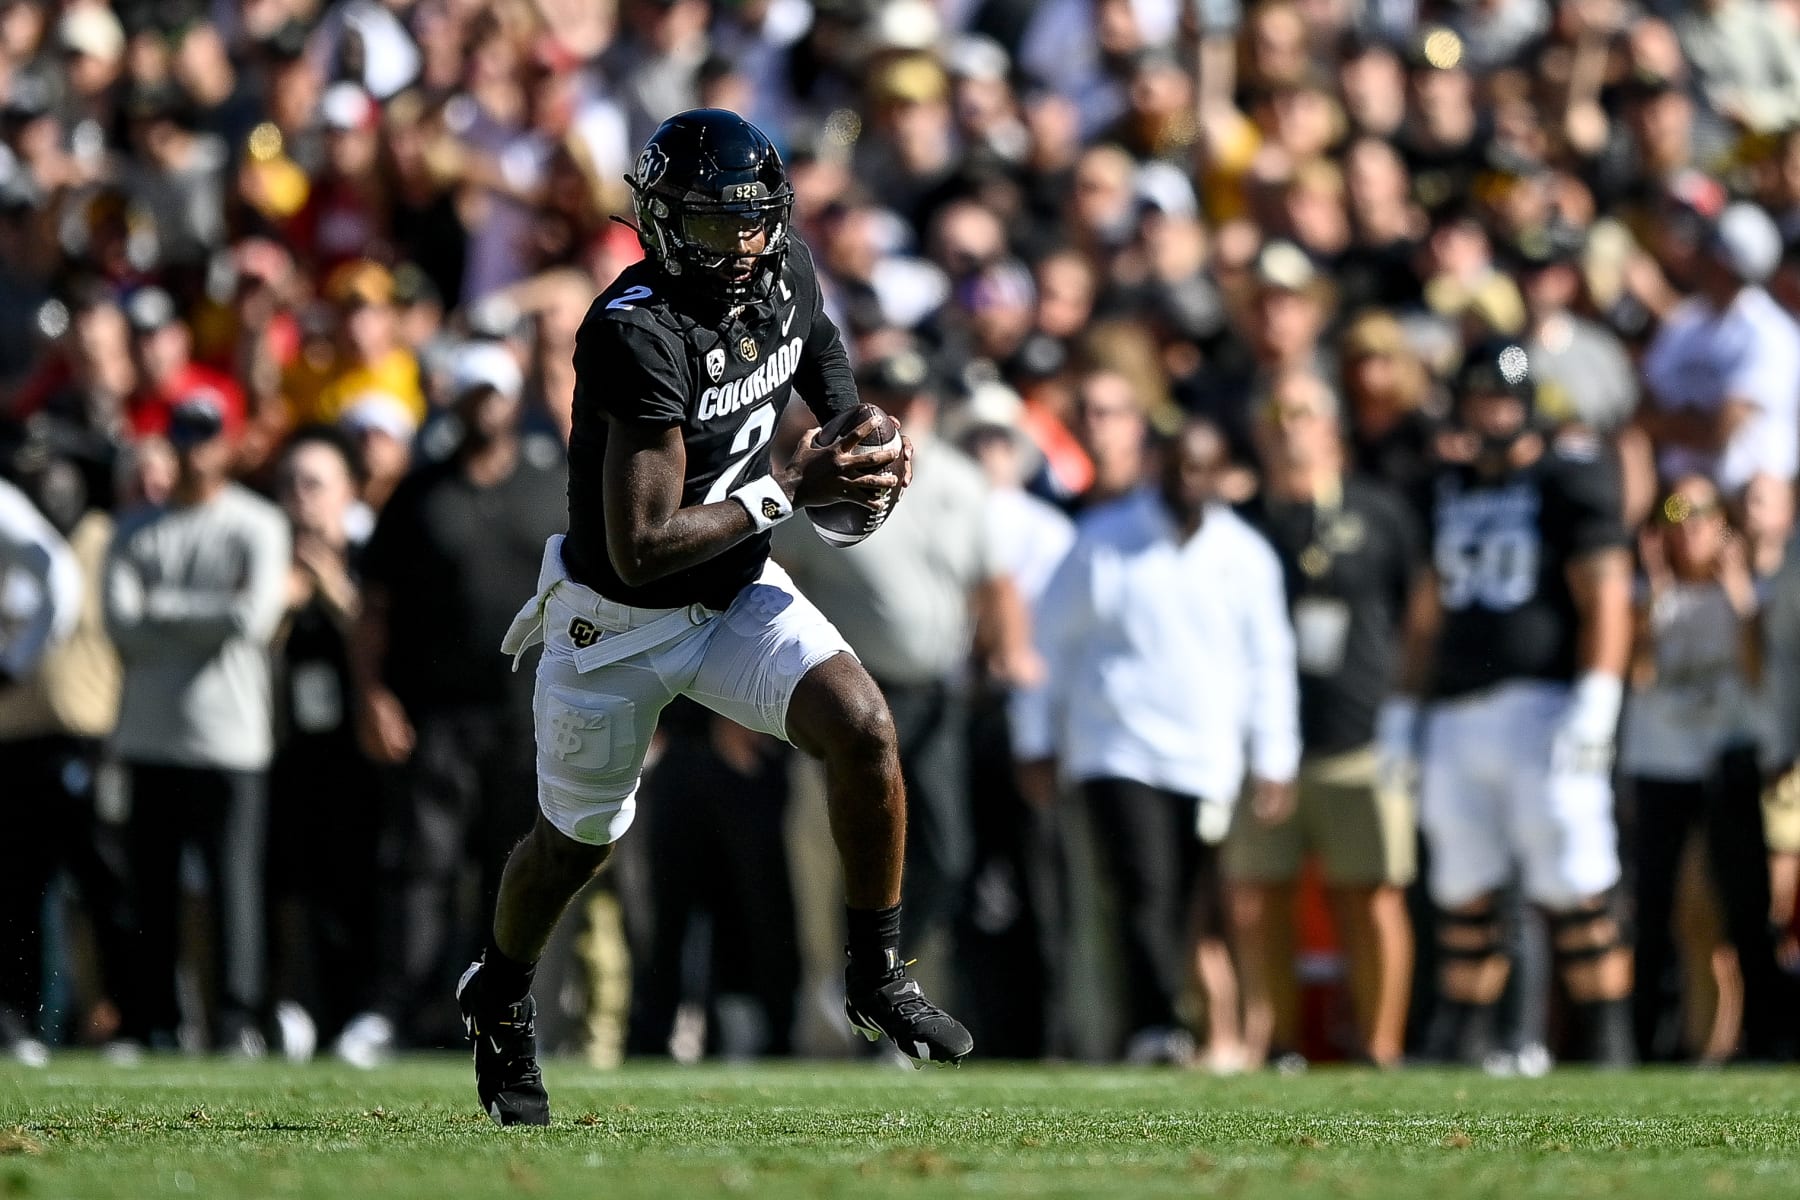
507,1078
897,1007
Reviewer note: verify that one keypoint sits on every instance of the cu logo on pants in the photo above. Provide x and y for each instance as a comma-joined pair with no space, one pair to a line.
583,633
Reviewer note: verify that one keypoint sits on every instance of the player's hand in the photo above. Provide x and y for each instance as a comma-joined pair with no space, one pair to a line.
1272,801
906,461
1584,740
1396,746
828,474
384,729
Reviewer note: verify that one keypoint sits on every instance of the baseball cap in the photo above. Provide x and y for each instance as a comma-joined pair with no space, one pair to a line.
195,418
380,412
486,364
1282,266
1165,188
92,30
898,374
1746,243
363,281
998,285
347,107
151,309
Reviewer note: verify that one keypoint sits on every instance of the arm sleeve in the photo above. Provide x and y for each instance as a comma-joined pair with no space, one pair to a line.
210,619
51,578
136,632
824,378
1588,494
1274,708
629,373
1062,614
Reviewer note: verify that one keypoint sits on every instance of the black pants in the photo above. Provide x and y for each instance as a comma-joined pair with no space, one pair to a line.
1727,805
454,812
221,814
1009,936
51,826
1163,879
931,726
325,810
721,915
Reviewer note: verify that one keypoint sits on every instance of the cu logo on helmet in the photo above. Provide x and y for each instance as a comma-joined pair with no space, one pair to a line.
652,164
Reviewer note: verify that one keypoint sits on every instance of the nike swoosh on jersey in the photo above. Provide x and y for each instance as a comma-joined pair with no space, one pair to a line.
786,321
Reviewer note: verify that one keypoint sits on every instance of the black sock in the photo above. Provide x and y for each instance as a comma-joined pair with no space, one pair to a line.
504,980
874,941
1461,1032
1606,1028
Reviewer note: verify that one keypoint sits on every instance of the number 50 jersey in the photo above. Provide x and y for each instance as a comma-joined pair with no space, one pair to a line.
1501,547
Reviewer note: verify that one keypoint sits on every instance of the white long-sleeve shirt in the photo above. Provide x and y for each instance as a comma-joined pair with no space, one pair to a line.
40,584
1167,659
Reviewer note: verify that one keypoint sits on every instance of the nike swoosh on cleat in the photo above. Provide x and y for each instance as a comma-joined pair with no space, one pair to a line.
923,1050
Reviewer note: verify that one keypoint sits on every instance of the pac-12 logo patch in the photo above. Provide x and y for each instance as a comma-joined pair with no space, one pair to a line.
747,349
652,163
583,633
715,363
771,510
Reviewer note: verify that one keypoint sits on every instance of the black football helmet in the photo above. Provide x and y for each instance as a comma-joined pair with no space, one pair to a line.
1497,366
706,183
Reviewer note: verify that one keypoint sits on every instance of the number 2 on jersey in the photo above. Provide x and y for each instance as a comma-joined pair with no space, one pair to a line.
752,436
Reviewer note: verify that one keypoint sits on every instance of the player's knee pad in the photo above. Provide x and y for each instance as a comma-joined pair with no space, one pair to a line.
1468,935
1584,935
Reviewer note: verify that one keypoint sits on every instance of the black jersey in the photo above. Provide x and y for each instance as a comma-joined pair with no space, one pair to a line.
1349,566
643,356
1502,548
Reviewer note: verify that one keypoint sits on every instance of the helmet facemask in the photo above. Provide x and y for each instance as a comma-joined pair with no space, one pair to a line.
710,243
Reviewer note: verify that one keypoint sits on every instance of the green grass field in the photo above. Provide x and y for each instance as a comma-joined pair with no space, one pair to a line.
180,1127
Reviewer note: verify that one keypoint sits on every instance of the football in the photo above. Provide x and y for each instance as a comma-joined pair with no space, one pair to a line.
849,521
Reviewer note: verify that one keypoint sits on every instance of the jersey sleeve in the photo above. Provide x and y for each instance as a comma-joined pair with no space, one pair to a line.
1588,506
629,373
824,379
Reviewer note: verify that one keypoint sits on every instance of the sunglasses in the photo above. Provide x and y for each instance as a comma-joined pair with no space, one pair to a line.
1677,509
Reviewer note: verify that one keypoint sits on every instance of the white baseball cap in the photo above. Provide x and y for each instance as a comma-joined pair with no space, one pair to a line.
1746,242
489,363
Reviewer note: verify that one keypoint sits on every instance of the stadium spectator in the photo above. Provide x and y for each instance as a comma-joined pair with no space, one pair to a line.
42,582
1130,616
1350,554
438,703
193,593
324,796
1690,744
1724,371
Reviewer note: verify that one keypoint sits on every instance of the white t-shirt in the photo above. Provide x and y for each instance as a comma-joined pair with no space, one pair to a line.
1750,352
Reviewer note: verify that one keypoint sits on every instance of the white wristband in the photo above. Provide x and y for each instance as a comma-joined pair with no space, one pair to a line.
766,503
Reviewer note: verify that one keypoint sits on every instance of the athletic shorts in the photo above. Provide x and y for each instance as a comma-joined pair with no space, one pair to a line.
1488,800
1363,835
594,726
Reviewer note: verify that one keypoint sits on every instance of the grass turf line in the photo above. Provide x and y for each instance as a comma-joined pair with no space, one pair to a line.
178,1128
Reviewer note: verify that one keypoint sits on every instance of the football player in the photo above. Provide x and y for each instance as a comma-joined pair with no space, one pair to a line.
663,584
1520,639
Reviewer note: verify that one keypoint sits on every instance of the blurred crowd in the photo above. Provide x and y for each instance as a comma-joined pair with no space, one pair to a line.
288,294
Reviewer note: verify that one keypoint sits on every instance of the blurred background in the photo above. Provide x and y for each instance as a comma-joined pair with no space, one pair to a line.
260,757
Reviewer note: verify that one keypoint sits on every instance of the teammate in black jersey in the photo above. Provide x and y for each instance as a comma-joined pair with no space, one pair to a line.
663,584
1530,625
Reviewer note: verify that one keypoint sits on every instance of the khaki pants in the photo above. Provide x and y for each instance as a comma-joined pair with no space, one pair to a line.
1363,835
